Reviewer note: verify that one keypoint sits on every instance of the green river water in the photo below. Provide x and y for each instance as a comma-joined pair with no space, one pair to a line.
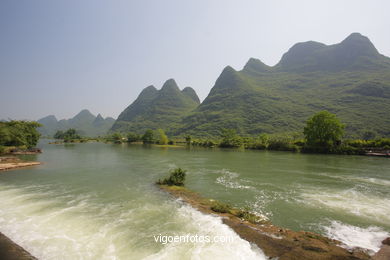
99,201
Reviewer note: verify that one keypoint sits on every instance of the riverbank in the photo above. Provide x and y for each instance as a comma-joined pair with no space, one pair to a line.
9,163
275,241
11,251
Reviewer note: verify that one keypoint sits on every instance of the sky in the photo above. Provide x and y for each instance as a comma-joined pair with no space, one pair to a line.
59,57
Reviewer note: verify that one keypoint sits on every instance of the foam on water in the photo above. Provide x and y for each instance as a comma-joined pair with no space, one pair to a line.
369,238
62,226
207,225
48,231
350,201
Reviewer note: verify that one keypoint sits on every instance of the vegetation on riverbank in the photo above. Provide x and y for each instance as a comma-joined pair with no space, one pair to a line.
323,133
18,135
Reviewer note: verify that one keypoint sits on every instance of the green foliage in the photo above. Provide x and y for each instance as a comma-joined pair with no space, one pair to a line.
204,143
323,130
163,139
282,143
2,149
68,136
19,133
245,214
116,138
230,138
148,137
220,207
381,143
133,137
177,178
188,139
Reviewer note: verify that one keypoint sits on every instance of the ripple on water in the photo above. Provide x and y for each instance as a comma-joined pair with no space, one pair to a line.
230,180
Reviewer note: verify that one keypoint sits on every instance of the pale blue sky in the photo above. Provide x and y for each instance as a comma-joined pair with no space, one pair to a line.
58,57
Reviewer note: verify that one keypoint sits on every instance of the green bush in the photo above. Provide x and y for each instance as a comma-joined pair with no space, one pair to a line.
220,207
245,214
19,133
176,178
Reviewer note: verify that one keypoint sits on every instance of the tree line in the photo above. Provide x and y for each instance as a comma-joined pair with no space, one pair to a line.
323,133
20,134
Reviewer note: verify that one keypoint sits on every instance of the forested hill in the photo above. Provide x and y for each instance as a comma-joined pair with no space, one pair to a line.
153,109
85,123
350,79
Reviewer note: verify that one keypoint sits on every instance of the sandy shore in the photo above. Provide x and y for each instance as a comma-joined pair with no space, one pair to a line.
10,166
277,242
9,163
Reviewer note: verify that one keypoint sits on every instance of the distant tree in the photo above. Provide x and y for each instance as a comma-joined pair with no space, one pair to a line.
148,137
133,137
163,139
68,135
264,139
188,139
116,138
323,130
59,134
230,138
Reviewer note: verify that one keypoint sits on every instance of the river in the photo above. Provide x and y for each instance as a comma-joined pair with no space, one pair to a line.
99,201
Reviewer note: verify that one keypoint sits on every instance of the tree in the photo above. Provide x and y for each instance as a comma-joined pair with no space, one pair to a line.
68,135
163,139
116,138
148,137
59,134
19,133
323,130
133,137
188,139
230,138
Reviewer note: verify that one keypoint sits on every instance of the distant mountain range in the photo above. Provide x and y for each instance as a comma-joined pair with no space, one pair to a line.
84,122
153,109
350,79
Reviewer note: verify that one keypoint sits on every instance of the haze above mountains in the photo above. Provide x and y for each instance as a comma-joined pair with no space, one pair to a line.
350,79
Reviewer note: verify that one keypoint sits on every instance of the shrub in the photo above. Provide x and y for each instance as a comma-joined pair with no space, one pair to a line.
220,207
177,177
245,214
